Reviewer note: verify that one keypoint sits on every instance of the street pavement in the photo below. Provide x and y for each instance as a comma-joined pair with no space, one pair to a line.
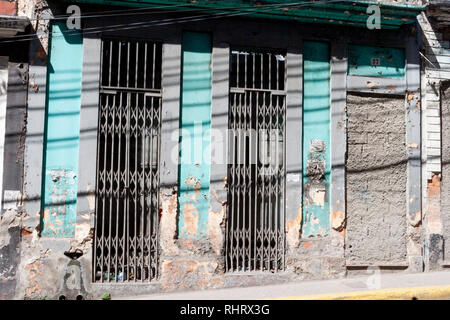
376,285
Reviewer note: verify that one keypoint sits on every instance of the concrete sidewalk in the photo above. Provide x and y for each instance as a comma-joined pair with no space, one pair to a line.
430,285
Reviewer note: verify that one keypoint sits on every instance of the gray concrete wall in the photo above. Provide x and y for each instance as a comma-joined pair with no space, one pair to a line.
376,181
10,222
15,135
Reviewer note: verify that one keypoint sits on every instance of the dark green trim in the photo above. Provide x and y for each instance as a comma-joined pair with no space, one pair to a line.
344,12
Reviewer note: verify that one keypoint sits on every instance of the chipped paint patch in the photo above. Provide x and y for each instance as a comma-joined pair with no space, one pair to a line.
319,197
35,270
294,229
192,201
372,85
215,221
434,186
433,212
337,219
413,98
190,219
415,219
83,238
59,214
168,223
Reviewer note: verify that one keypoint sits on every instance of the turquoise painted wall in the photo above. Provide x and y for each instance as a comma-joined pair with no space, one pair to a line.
316,137
62,130
391,61
195,137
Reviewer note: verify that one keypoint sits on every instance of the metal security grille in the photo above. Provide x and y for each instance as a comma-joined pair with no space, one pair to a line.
127,210
255,236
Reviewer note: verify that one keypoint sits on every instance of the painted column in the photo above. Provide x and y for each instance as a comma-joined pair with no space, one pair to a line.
316,139
62,131
195,137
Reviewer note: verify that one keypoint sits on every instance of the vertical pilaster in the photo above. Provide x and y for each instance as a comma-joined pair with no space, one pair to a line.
339,64
294,132
87,162
219,144
169,153
60,169
316,139
413,149
195,136
34,139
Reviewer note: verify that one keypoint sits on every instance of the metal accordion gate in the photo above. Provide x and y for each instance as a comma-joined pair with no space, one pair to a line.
127,188
255,228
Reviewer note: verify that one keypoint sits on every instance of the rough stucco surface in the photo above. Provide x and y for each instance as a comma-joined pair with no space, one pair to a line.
376,181
9,252
445,186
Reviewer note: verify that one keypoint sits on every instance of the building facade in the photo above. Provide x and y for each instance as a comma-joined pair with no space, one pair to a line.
166,145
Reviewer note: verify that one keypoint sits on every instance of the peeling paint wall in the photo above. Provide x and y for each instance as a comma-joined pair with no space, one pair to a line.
376,181
62,133
435,158
316,139
195,137
47,273
51,268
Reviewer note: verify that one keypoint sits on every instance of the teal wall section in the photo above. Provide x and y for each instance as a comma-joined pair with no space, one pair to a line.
316,139
62,130
195,136
391,61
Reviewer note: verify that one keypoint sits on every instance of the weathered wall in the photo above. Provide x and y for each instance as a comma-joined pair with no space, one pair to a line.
9,253
436,71
15,131
445,185
11,220
50,267
376,181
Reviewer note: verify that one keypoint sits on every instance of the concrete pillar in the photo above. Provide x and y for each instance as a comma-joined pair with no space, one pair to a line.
413,146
